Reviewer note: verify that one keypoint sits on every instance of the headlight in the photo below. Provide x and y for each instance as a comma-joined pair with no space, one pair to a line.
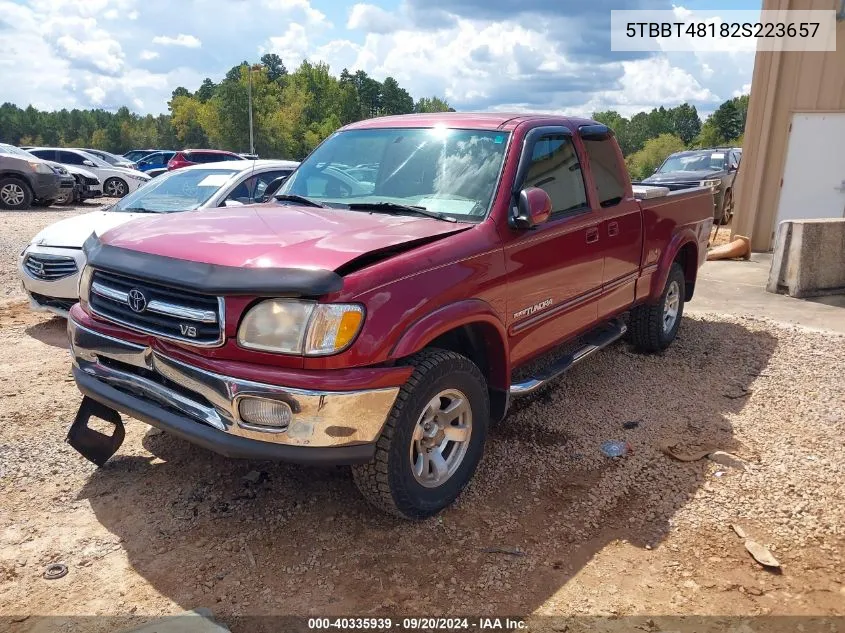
289,326
84,287
711,183
139,177
42,168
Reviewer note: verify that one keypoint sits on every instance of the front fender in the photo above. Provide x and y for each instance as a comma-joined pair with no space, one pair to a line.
455,315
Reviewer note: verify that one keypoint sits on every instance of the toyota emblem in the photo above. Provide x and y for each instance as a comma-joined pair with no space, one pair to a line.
136,300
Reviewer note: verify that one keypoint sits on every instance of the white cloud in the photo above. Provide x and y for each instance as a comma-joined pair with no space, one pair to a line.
746,89
188,41
147,55
373,19
310,15
292,44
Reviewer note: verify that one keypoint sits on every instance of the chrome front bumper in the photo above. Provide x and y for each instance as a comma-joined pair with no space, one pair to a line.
163,385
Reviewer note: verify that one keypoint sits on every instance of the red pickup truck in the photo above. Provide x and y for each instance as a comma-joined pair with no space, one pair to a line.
375,314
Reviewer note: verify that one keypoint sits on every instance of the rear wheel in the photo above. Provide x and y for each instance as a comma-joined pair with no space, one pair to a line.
15,194
433,439
727,207
115,188
653,327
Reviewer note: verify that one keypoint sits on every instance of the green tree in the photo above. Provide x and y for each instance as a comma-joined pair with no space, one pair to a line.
685,122
206,91
432,104
643,163
274,65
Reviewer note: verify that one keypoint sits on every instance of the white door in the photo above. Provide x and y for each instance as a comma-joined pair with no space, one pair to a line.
814,176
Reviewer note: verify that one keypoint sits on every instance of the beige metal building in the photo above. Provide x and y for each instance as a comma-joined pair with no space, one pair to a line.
793,163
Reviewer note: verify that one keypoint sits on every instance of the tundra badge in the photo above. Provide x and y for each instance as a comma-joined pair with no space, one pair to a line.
532,309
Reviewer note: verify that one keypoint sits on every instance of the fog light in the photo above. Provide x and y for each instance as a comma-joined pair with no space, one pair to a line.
273,415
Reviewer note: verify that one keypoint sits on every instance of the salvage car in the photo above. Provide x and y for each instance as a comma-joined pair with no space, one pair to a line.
381,326
26,180
714,167
117,181
49,266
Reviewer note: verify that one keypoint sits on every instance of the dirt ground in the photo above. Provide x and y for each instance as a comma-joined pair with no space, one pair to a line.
549,526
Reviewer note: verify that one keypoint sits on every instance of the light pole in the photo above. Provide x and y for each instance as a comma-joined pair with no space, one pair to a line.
251,140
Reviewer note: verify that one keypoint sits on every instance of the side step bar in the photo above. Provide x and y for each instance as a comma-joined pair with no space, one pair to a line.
593,342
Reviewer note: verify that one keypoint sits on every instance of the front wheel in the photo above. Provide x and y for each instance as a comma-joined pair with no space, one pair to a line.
433,439
15,195
115,188
653,326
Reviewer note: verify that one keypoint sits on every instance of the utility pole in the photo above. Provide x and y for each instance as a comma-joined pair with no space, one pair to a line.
251,140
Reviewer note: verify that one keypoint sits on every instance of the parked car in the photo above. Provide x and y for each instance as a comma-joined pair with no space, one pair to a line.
136,154
117,181
156,160
188,157
27,180
49,266
111,159
714,167
382,329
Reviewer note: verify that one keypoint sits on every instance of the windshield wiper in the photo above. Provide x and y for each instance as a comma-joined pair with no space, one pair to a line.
393,206
292,197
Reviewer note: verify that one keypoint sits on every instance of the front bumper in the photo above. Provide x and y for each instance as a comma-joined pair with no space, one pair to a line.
46,186
64,288
339,427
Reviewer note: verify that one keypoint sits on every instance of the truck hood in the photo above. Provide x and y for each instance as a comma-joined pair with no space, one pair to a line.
72,232
683,176
276,236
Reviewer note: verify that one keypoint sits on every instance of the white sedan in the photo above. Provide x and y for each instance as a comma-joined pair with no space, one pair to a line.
117,181
49,266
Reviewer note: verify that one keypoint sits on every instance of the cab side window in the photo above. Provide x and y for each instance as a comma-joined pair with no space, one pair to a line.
607,171
555,169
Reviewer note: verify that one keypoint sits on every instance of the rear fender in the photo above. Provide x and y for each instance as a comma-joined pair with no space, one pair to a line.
679,241
455,315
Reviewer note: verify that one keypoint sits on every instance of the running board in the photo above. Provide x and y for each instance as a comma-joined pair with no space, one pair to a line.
593,342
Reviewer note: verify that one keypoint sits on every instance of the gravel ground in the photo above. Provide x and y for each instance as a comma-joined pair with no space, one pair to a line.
549,526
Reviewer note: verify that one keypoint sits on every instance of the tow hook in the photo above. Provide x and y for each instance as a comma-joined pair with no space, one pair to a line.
93,445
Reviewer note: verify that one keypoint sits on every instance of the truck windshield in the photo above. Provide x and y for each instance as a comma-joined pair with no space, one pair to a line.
444,170
700,161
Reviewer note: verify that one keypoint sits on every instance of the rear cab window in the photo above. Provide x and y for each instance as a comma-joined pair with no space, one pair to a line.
607,170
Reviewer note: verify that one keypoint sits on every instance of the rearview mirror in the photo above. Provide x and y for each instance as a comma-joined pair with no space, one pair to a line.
533,207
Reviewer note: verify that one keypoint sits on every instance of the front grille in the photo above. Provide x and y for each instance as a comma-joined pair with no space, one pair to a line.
156,309
50,267
91,181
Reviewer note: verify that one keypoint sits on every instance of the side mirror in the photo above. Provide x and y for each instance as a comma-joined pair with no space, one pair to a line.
88,163
533,207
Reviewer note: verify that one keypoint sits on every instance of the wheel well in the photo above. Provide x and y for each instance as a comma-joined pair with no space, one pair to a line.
687,257
481,343
15,176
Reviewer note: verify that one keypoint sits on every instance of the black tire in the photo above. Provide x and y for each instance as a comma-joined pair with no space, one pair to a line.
115,188
646,327
15,194
388,482
66,196
727,208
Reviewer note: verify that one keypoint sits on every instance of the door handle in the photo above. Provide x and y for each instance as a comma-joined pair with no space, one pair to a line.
613,229
592,234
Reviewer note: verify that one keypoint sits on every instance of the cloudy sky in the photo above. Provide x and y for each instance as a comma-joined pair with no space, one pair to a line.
547,55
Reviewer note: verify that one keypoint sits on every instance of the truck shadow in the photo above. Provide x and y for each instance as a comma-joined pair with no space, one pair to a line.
262,538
